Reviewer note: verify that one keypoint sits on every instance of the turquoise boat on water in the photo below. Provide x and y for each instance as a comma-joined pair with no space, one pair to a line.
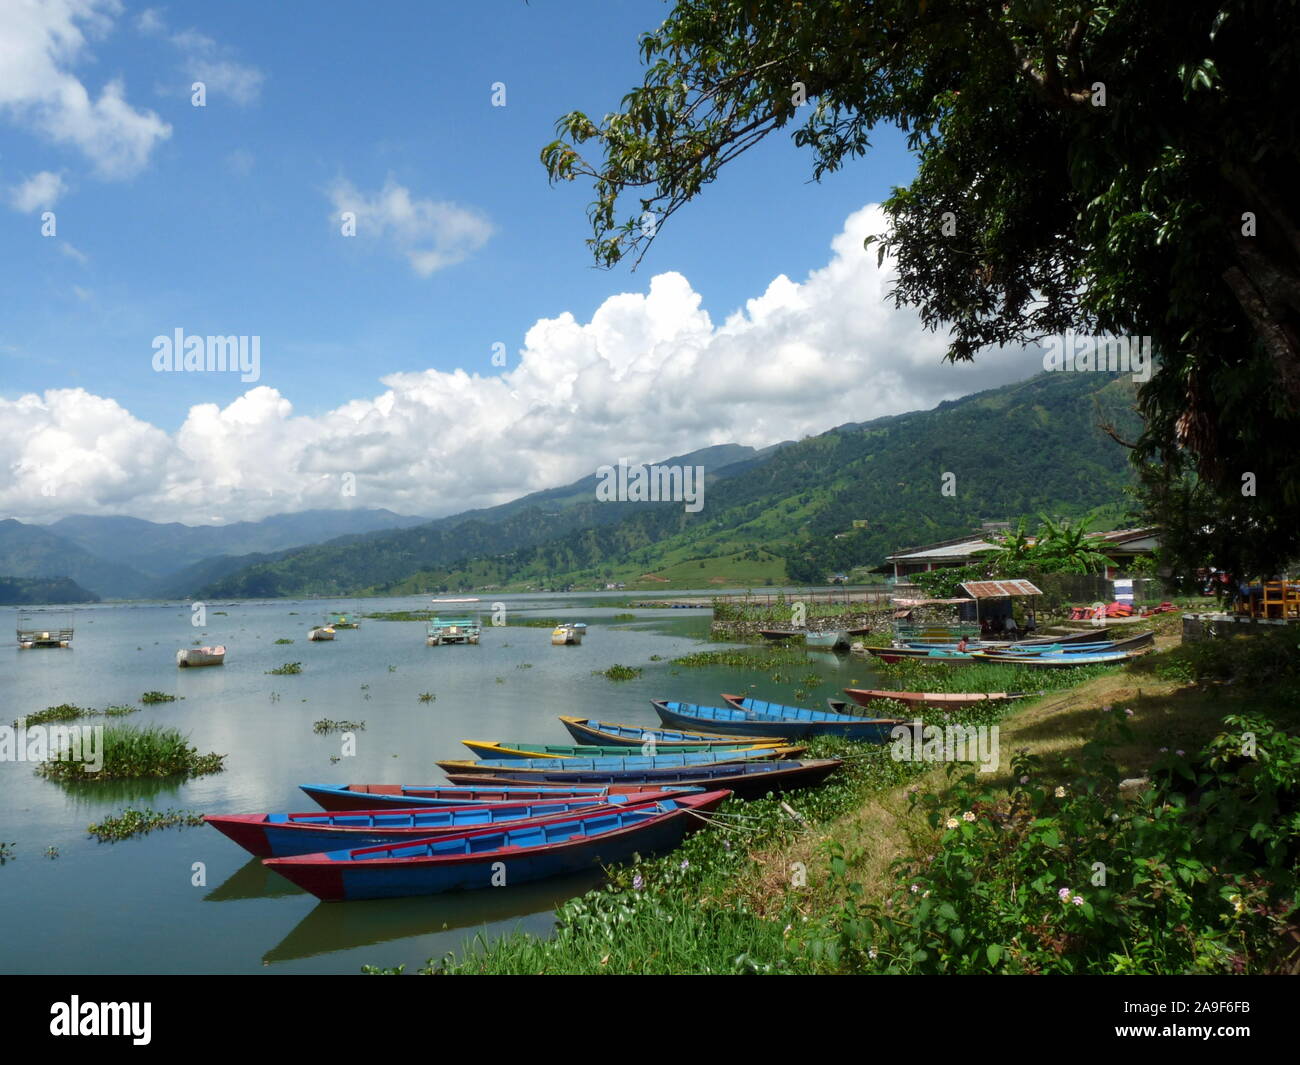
759,717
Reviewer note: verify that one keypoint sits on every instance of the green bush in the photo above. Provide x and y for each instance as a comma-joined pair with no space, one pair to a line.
1195,874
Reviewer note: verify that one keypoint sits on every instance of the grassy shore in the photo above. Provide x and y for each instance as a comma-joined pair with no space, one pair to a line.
1145,823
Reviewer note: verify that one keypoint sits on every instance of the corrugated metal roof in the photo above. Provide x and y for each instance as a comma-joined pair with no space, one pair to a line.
958,549
998,589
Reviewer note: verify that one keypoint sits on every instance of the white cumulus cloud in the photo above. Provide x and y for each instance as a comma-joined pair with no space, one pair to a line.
431,234
40,192
40,43
649,376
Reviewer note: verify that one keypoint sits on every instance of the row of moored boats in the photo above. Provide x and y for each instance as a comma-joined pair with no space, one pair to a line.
521,812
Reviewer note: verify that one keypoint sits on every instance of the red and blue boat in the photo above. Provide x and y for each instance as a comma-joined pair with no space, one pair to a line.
746,780
617,763
378,796
499,857
282,835
757,716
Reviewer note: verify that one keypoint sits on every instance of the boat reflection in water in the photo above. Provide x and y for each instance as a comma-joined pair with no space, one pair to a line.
329,928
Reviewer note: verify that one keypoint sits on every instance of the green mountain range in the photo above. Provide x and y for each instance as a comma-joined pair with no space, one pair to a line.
129,558
793,512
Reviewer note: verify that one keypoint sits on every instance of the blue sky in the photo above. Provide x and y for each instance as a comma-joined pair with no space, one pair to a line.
228,225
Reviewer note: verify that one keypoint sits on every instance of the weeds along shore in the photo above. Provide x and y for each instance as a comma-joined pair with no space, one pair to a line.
1137,822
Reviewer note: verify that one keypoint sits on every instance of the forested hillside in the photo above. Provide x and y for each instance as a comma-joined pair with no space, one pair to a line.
827,503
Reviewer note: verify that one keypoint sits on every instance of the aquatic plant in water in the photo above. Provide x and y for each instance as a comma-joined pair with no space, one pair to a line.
132,751
325,725
286,670
131,822
617,672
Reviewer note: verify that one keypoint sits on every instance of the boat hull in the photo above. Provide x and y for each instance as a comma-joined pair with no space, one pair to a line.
379,796
189,658
284,835
584,730
747,780
867,696
626,762
432,867
502,749
817,723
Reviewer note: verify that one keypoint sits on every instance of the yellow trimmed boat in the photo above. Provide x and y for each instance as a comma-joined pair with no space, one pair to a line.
504,749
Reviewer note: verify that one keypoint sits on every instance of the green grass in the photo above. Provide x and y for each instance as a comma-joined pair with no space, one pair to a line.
149,698
286,670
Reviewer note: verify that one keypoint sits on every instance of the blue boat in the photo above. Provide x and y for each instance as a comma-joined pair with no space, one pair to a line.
283,835
756,717
744,779
494,766
498,858
1061,659
378,796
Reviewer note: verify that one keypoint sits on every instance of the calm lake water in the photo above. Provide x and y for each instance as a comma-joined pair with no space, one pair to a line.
131,906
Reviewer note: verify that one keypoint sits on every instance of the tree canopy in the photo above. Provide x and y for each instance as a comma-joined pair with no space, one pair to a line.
1116,168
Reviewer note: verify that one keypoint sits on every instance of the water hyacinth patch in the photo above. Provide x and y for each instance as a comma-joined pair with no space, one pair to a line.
131,822
617,672
325,725
131,751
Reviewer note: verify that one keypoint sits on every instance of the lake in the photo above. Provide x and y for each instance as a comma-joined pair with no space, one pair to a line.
133,906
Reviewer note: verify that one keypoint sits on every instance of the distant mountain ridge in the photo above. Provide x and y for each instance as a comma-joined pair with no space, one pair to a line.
800,511
116,557
158,549
350,564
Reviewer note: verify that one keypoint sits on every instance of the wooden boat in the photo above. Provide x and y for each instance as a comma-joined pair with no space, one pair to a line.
502,749
382,796
606,733
835,638
919,654
567,634
345,621
780,634
1083,636
280,835
323,632
499,857
629,761
774,719
201,656
1061,660
746,779
867,696
899,653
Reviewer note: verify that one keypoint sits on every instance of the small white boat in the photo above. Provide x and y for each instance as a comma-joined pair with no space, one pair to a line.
324,632
833,638
567,634
201,656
